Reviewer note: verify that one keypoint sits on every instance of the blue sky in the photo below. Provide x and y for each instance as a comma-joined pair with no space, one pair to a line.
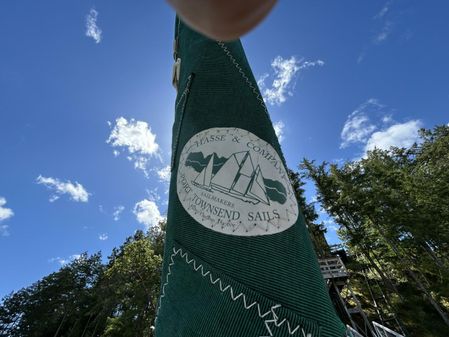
86,112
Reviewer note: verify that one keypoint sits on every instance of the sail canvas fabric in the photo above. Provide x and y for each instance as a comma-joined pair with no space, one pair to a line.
238,259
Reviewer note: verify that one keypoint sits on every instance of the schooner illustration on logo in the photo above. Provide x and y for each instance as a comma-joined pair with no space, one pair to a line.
246,182
233,182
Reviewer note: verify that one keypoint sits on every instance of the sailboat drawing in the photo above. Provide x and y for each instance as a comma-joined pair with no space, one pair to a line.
237,177
203,179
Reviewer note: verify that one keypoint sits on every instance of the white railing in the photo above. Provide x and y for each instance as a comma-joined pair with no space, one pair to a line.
383,331
350,332
332,268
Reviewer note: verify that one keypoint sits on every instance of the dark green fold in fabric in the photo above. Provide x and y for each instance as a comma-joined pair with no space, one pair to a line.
238,259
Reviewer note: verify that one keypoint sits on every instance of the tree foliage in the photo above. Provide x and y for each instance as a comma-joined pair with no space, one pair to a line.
393,210
316,230
89,298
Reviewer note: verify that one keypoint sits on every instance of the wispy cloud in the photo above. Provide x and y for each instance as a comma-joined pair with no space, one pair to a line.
76,191
284,72
147,213
92,29
135,138
4,230
371,126
384,33
383,18
359,125
384,10
383,23
103,237
117,212
279,129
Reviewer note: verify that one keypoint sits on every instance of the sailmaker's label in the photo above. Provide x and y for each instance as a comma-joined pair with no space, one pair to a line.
233,182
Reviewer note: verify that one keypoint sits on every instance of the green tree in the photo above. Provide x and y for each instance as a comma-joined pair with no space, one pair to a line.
89,298
131,286
57,305
316,230
393,212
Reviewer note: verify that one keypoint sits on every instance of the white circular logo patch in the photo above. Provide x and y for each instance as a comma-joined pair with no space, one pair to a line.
233,182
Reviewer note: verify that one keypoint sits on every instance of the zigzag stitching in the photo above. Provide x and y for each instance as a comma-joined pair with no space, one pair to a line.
234,297
278,324
242,73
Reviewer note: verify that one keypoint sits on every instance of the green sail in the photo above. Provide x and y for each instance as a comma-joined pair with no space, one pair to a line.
238,260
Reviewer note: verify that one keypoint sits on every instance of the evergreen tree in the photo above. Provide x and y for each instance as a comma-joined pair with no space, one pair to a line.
392,207
89,298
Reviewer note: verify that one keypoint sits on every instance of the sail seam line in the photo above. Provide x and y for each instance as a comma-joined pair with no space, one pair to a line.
183,99
242,73
185,92
228,288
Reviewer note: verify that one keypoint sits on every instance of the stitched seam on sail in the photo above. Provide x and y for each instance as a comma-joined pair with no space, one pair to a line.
242,73
183,100
228,288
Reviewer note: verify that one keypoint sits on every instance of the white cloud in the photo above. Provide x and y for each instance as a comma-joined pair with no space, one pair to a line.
279,130
92,29
5,213
398,135
147,213
387,119
64,261
359,125
103,237
137,139
371,125
117,211
136,136
284,72
58,259
75,190
164,174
